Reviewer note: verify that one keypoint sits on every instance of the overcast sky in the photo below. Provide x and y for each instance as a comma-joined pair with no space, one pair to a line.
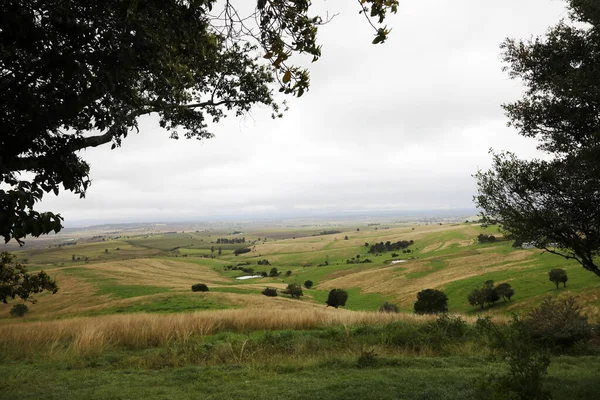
401,126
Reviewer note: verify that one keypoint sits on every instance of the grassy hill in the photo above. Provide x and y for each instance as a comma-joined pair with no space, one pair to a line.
162,267
125,323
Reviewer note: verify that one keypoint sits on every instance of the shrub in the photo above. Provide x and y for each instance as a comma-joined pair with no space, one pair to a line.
199,287
558,275
389,308
294,290
270,292
367,359
337,298
558,322
263,262
288,273
431,301
527,368
264,274
19,310
274,272
308,284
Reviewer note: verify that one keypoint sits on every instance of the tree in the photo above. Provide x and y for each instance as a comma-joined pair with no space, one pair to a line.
199,287
220,251
294,290
274,272
337,298
553,203
558,275
308,284
477,297
70,67
505,291
431,301
15,281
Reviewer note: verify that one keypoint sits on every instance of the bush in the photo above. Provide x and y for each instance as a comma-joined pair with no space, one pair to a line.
294,290
288,273
19,310
389,308
431,301
367,359
199,287
308,284
270,292
527,368
558,322
337,298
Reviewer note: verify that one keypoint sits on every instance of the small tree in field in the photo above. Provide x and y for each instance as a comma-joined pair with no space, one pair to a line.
274,272
294,290
558,275
505,291
337,298
431,301
308,284
477,297
199,287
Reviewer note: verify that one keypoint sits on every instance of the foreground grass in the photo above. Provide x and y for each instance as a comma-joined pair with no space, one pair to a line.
420,379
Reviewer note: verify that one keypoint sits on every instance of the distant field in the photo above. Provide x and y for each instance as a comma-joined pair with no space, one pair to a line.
447,257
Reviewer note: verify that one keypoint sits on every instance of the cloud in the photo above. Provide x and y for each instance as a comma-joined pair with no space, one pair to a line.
401,125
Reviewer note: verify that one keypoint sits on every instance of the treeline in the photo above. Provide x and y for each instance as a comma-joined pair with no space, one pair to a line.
231,241
389,246
327,233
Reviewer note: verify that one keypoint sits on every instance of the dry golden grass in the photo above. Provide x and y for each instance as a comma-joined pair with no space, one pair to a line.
157,272
145,330
74,295
86,335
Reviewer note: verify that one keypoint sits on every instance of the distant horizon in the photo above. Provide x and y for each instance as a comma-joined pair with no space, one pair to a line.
279,215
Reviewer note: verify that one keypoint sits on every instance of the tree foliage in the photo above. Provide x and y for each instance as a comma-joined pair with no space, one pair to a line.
558,275
553,203
72,67
431,301
308,284
337,298
199,287
294,290
15,281
490,294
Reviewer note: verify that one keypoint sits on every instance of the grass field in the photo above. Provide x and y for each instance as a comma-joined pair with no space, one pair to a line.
125,312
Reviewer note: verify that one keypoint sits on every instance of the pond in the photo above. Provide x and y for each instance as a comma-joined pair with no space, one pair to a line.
248,277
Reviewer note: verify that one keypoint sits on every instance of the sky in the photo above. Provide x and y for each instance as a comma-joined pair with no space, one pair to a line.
398,126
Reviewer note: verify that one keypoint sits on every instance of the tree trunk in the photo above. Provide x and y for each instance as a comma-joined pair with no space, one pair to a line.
556,285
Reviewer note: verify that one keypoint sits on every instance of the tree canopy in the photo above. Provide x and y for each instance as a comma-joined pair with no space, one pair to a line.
431,301
76,74
15,281
553,203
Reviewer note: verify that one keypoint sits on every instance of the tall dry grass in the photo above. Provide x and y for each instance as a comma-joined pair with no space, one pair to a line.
93,334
